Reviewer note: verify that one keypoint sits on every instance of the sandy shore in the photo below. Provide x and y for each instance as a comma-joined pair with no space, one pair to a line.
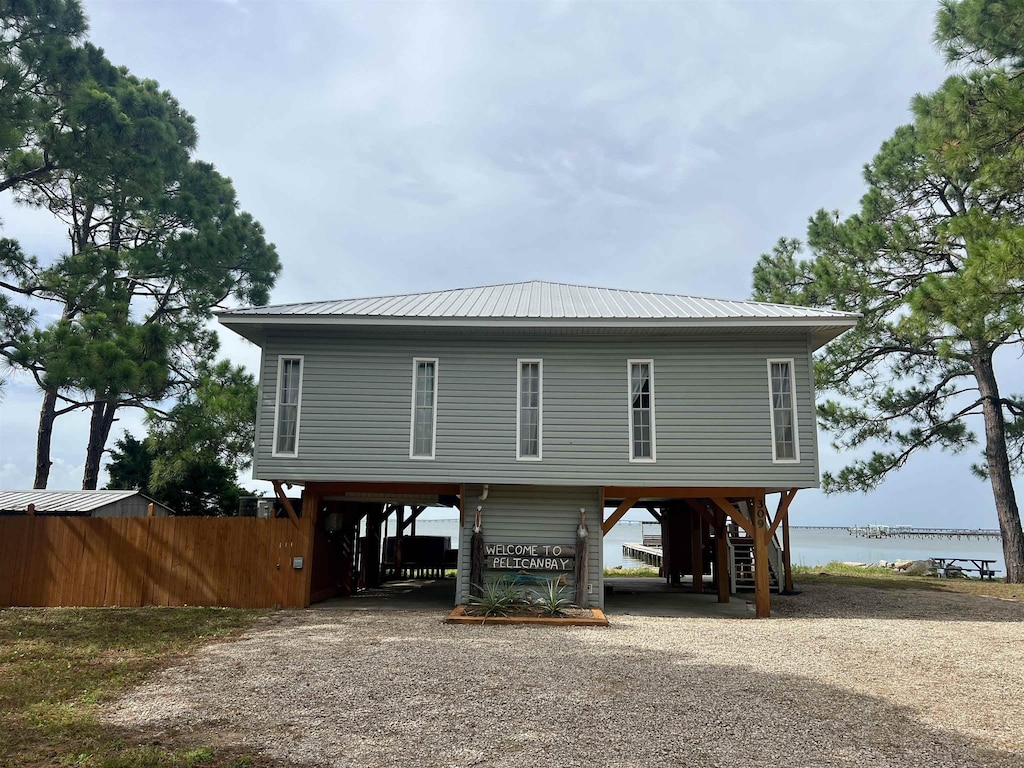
844,676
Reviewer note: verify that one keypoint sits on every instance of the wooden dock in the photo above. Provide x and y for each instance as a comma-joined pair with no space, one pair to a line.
645,554
909,531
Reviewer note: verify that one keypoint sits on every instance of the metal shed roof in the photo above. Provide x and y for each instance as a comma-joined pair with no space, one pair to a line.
62,501
541,300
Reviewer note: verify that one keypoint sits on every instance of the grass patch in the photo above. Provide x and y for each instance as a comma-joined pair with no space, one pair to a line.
58,665
885,578
837,568
631,573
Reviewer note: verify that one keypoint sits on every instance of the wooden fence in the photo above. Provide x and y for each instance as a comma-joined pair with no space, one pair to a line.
241,562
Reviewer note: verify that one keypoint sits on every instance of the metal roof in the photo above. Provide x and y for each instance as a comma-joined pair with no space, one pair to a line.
538,300
545,308
61,501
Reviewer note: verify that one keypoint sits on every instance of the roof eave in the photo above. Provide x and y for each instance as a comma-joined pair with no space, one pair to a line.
824,334
840,323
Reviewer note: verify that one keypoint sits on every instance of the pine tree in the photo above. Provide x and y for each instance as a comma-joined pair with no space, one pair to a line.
156,238
934,260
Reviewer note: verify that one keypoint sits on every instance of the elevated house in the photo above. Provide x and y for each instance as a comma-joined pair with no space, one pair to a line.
534,407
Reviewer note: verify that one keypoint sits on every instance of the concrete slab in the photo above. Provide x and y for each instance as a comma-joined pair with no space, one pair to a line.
653,597
405,595
636,597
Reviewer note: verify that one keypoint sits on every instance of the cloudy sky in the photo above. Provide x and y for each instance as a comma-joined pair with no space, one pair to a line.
400,147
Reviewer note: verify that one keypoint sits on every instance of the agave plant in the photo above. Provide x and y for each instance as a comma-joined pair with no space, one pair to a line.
551,599
497,598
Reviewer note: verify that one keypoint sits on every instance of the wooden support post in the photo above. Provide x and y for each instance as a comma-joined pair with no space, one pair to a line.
371,552
787,561
785,499
782,517
738,517
399,529
762,598
31,510
699,507
310,509
722,557
410,521
349,549
360,558
385,536
667,547
150,509
311,505
697,549
615,516
285,501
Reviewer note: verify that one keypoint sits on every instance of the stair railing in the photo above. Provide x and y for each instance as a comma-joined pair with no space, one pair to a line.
732,565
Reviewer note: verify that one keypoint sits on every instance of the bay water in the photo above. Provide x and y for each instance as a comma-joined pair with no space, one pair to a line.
811,546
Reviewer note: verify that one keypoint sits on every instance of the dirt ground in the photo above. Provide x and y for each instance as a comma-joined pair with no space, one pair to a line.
843,676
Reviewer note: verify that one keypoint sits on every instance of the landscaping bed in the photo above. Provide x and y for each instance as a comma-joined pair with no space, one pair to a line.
572,617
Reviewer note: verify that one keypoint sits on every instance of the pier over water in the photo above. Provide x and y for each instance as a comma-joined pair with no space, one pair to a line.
910,531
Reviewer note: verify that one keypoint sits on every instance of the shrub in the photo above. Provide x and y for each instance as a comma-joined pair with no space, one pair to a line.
551,599
497,598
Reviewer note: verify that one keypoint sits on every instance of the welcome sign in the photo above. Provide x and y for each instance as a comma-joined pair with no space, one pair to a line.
529,557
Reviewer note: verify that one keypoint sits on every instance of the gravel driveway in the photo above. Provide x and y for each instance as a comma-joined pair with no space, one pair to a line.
845,676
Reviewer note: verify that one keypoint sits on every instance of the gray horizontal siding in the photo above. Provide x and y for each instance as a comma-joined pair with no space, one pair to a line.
711,410
134,506
531,515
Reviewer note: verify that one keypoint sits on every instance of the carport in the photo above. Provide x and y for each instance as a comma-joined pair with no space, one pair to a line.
365,542
699,526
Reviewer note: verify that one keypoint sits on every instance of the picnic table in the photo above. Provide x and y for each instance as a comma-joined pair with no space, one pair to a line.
944,566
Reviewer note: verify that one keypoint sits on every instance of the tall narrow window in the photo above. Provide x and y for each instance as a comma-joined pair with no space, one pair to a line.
530,414
785,440
424,408
286,408
641,410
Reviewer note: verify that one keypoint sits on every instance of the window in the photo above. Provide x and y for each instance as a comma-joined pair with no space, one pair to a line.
530,418
424,408
785,441
641,410
286,407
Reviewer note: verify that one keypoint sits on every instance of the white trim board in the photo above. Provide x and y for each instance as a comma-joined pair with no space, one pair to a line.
412,413
793,407
653,458
540,408
277,404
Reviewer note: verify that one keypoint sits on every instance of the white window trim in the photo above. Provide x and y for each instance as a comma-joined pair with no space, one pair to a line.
771,410
412,414
519,408
277,404
629,403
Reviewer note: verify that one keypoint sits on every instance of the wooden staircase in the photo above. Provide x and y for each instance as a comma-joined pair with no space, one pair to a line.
742,550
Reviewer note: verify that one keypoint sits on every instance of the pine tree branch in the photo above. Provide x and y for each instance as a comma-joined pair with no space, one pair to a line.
1016,408
21,178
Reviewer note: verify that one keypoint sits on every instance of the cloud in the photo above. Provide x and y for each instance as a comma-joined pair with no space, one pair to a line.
390,148
14,476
